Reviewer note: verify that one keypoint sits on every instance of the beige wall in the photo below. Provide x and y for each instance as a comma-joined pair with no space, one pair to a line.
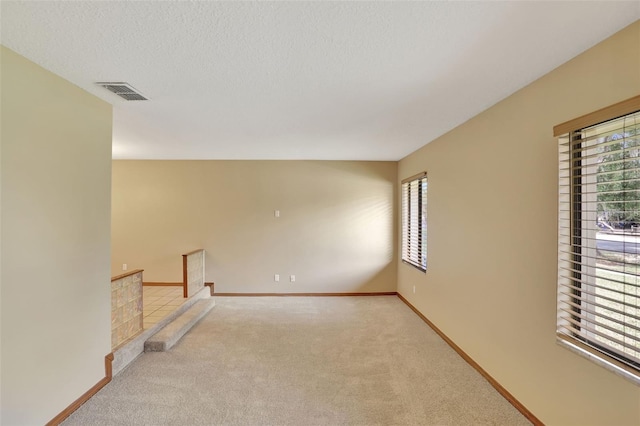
335,231
492,239
55,209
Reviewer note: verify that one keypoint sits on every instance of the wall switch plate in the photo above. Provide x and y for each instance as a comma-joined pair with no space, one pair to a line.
124,266
276,277
292,278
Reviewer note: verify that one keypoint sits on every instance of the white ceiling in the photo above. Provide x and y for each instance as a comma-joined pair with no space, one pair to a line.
301,80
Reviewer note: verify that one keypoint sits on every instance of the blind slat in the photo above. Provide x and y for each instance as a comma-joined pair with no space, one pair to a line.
593,316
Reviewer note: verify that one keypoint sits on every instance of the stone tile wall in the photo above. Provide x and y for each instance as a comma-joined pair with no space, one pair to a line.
195,272
126,308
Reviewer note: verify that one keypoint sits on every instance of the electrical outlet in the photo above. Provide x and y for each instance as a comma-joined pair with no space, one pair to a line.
124,266
276,213
414,289
276,277
292,278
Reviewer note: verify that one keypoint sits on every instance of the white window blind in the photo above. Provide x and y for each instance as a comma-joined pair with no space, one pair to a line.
599,242
414,221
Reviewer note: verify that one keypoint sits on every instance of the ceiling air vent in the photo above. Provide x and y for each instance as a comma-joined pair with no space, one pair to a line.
124,90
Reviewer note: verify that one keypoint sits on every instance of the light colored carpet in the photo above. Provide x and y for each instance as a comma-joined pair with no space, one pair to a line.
302,361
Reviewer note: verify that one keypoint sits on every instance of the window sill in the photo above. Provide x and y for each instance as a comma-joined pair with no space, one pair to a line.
424,271
599,360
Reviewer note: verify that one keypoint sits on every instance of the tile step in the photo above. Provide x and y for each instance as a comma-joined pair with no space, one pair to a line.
168,336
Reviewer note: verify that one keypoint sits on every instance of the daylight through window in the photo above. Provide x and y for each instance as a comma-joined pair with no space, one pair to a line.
599,242
414,221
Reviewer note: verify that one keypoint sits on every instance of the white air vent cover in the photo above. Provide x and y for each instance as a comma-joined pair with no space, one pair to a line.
124,90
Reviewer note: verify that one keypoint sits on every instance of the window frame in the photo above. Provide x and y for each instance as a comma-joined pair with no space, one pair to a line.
574,247
414,253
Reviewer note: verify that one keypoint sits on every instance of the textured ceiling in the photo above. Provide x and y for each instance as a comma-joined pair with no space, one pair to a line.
301,80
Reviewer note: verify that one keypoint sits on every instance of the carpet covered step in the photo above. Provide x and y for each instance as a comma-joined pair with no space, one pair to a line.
164,339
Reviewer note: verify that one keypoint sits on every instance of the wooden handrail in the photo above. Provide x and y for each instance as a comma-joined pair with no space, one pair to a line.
185,279
126,274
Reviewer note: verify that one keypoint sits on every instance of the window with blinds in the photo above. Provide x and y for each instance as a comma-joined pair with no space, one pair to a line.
599,242
414,221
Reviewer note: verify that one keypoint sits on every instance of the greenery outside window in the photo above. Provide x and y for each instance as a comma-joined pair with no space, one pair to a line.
414,221
599,238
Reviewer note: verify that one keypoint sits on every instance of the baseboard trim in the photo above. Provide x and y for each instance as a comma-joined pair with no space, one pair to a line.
493,382
85,396
387,293
153,283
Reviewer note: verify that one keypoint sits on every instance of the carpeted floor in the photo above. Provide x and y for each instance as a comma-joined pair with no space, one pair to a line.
302,361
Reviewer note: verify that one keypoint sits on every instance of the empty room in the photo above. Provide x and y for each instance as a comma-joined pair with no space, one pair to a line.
319,213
